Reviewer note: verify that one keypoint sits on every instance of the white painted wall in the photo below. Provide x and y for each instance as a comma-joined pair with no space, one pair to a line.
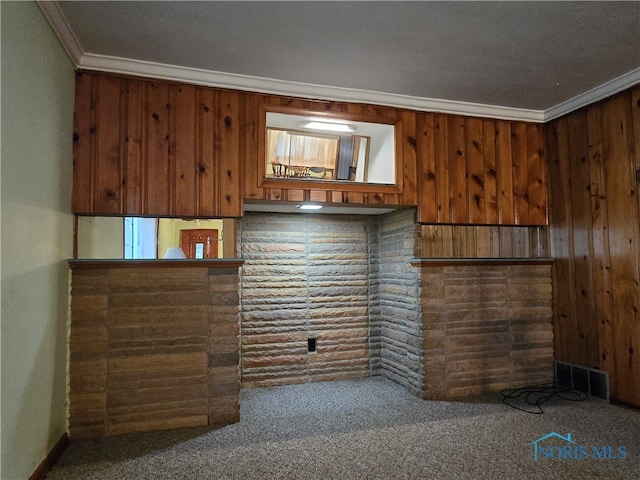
37,236
100,237
381,156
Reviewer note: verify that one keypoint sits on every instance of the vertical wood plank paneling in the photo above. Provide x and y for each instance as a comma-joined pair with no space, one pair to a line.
539,242
159,186
537,175
228,144
581,253
207,177
520,242
427,241
545,236
475,177
184,149
520,171
467,241
355,108
459,240
251,137
457,169
504,174
490,173
483,242
378,111
595,233
634,320
409,158
373,198
506,243
392,199
135,141
565,322
152,148
535,244
83,154
623,237
635,116
495,241
426,159
242,154
354,197
442,177
471,247
493,163
297,195
600,270
447,238
108,145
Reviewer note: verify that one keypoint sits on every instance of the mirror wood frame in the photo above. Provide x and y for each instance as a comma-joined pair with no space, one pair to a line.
332,185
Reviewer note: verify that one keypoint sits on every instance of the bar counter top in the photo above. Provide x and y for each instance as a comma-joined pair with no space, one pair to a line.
155,263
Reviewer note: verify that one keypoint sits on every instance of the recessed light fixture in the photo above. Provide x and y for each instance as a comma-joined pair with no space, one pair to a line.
328,126
309,206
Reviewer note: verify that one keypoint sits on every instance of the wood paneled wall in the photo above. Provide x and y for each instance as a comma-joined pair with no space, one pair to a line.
464,241
147,147
594,161
155,148
479,171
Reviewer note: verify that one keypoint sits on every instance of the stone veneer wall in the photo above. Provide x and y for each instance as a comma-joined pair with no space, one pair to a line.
441,331
485,328
152,348
375,323
305,276
401,356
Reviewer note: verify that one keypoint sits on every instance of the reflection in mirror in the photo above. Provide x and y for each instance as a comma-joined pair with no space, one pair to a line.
309,148
140,237
149,238
198,238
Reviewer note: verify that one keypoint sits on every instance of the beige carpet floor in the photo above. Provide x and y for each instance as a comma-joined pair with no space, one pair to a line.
373,429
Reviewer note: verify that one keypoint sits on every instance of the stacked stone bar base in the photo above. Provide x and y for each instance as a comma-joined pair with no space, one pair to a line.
485,327
153,346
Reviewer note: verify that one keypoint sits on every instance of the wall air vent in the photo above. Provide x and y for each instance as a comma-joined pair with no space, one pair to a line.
591,381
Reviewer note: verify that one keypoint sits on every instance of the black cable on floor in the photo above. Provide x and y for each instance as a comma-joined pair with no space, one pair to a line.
529,399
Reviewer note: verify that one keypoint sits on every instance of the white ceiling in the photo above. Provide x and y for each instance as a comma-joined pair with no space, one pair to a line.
520,60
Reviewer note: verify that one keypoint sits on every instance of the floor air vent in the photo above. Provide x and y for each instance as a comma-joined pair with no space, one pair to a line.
591,381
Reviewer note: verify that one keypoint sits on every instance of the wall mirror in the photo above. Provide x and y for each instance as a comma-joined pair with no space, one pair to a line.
143,238
307,149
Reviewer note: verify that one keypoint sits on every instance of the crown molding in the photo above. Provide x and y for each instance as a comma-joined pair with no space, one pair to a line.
594,95
298,89
68,39
88,61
